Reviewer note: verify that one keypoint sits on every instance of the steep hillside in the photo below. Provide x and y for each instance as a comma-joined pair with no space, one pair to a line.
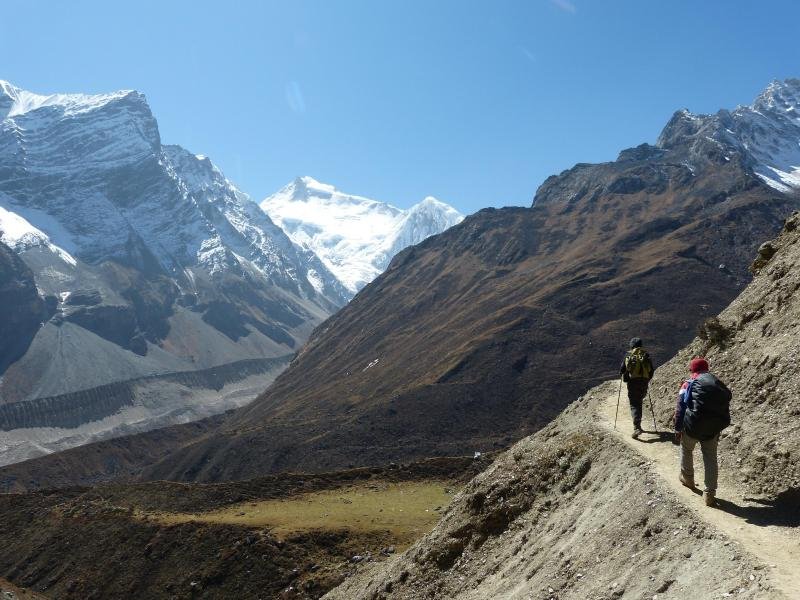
144,261
754,346
354,236
573,512
482,334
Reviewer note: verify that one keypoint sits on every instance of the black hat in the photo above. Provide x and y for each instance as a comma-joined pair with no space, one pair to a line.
636,343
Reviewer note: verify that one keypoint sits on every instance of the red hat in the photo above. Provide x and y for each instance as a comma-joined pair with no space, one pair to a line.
698,365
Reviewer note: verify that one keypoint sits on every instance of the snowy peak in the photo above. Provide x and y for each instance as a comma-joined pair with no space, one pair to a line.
354,236
92,169
17,101
764,134
62,133
780,96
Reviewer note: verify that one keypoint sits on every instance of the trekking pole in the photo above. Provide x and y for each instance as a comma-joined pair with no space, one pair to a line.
653,412
619,394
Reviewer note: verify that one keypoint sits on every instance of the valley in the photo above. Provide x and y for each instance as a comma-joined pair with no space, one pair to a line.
211,400
141,287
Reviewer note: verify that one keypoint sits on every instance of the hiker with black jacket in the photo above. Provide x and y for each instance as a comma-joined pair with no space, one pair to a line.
636,370
702,412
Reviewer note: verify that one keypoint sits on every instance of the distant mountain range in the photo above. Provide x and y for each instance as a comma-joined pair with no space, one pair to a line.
141,264
355,237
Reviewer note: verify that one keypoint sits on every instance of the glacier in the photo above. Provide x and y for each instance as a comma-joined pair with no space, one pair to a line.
355,237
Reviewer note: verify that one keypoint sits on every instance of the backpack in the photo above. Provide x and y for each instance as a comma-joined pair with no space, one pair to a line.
708,409
638,365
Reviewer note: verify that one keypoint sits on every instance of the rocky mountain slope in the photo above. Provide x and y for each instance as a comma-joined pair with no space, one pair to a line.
354,236
147,262
455,346
571,512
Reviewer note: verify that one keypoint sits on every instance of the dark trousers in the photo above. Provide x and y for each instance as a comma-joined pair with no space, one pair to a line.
637,390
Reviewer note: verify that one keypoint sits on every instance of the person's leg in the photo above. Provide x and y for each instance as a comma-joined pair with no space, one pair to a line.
635,398
687,463
709,450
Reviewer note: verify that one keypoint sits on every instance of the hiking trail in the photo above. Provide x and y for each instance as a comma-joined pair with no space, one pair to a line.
776,546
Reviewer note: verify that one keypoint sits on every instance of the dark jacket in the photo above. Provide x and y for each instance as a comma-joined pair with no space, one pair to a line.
703,408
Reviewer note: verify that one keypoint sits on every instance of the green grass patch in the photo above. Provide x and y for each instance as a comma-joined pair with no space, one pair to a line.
406,510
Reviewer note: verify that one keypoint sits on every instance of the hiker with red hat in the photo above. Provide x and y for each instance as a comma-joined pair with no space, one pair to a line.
703,411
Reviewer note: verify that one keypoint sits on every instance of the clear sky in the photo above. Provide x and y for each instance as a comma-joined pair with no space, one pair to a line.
475,103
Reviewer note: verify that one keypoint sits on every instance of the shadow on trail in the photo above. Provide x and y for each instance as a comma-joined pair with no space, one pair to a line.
783,510
661,436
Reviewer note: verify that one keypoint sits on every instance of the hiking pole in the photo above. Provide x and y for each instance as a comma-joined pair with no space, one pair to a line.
619,394
653,412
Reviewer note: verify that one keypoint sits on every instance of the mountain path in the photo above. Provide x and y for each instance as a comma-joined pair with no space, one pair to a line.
777,547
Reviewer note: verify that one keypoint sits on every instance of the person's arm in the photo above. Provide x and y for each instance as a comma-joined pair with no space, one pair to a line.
623,371
680,408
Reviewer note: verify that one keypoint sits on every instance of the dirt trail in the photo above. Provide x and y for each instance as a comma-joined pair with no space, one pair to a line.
778,547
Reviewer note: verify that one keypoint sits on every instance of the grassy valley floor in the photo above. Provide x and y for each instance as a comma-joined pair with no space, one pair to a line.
403,511
289,536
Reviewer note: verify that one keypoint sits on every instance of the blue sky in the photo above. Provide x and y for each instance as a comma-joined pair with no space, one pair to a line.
475,103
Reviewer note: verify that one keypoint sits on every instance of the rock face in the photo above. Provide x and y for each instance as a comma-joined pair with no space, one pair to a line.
765,133
23,308
355,237
481,335
139,259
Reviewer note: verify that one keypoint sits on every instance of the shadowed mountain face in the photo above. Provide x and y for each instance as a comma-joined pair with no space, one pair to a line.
23,308
454,348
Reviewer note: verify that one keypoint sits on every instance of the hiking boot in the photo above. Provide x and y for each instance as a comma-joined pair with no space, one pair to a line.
689,483
710,498
636,433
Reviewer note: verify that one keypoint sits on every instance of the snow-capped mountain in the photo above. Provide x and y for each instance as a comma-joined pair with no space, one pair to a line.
355,237
148,261
766,133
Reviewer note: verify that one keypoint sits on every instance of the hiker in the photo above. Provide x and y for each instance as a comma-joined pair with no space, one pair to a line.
703,411
636,371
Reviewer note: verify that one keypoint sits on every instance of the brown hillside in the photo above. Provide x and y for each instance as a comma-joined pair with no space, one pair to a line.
481,335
